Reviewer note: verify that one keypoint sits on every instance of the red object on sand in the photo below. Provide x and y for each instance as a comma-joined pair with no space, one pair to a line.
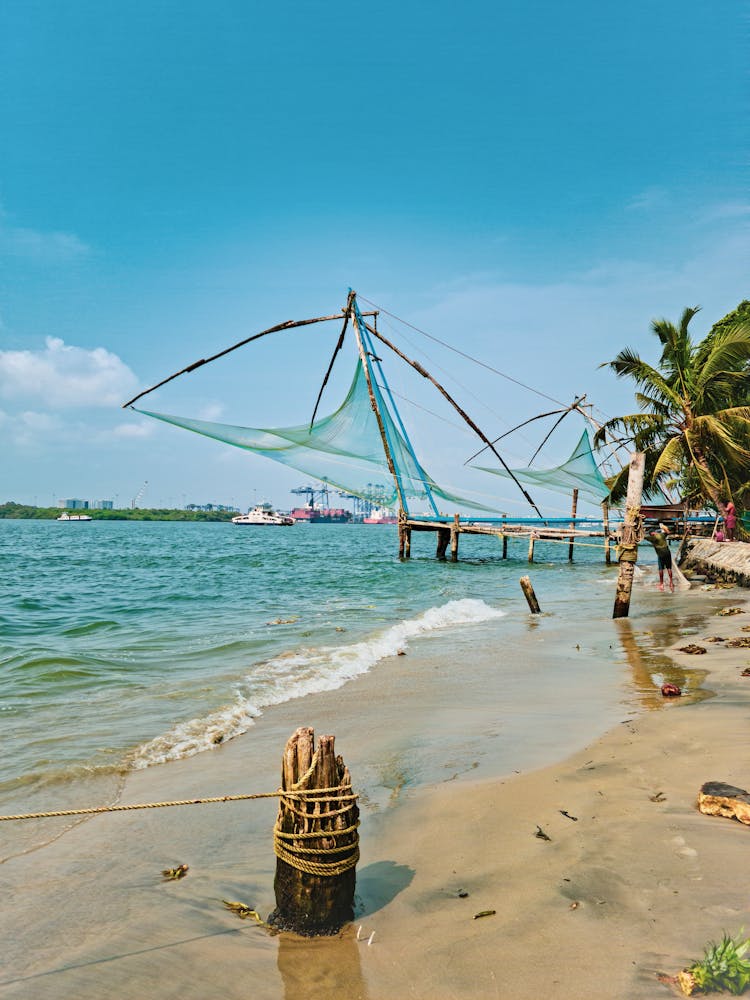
670,690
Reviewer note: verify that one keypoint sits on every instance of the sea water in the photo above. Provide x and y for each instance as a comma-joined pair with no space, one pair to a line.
125,645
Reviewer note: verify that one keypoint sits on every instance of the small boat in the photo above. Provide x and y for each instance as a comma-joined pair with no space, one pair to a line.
263,513
74,517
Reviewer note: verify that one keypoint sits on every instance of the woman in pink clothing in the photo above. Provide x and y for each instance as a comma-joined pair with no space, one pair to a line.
730,521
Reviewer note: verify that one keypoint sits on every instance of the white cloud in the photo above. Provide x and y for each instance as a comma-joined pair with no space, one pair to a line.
211,411
133,430
725,210
35,244
648,199
63,376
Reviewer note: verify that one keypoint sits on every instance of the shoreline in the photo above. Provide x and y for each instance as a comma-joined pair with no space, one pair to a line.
653,880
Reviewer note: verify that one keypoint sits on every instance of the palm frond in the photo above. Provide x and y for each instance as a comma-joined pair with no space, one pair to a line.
672,457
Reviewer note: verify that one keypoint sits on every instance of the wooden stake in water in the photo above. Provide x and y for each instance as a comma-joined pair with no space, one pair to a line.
528,593
628,549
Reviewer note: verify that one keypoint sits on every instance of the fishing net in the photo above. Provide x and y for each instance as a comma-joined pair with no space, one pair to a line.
344,450
579,472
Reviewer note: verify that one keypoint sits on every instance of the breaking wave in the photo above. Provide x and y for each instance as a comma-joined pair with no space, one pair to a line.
299,673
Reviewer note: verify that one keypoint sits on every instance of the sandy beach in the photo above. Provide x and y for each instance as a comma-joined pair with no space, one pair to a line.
632,882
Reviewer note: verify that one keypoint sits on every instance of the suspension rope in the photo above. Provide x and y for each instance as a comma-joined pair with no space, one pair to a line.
463,354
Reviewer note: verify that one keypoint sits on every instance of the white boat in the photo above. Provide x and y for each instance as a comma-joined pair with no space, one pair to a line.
74,517
263,513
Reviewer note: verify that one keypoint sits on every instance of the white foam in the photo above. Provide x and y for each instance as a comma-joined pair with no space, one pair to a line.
303,672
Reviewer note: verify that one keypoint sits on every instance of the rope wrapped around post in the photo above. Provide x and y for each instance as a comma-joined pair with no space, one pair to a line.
316,839
289,847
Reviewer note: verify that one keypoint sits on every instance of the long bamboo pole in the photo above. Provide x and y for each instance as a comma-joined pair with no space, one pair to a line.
379,418
425,374
337,348
289,324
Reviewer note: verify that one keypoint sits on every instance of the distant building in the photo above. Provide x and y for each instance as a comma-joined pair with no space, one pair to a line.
103,505
73,504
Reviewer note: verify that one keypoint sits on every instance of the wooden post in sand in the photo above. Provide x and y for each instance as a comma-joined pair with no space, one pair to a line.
454,537
627,550
528,593
573,511
315,839
605,522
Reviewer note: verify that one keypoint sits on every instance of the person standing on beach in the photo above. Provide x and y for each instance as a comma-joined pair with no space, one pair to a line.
730,521
660,541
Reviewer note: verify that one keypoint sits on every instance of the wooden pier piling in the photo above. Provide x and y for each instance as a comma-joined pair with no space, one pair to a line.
528,593
455,530
315,839
605,522
443,541
532,539
573,511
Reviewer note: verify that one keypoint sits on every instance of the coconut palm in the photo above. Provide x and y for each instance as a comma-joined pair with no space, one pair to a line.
694,419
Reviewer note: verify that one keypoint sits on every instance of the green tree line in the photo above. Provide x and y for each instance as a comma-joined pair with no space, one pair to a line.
19,510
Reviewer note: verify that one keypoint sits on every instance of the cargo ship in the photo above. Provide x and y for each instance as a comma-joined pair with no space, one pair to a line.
313,514
380,515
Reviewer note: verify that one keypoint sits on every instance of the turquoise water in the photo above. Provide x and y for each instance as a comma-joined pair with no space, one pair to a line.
126,644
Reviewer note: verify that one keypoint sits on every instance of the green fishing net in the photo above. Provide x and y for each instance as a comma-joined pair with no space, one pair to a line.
344,450
579,472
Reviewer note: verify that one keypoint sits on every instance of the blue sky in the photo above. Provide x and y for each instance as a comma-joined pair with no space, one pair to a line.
533,182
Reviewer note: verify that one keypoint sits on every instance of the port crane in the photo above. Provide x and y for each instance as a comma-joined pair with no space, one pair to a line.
313,494
138,497
365,502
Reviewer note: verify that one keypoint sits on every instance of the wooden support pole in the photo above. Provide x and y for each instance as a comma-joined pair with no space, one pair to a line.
532,539
573,511
628,548
505,538
407,543
454,537
528,593
402,529
315,839
443,540
605,522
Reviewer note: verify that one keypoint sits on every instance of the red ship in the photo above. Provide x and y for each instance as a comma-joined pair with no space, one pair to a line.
321,515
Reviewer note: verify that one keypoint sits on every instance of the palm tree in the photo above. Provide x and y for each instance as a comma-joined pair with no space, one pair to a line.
694,419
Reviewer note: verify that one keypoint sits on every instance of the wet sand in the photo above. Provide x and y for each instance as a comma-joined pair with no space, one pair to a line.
633,886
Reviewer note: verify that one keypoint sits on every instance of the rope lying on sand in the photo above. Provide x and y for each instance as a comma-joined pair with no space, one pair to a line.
314,794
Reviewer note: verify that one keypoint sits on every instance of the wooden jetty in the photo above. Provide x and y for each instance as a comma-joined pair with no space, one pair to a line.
561,530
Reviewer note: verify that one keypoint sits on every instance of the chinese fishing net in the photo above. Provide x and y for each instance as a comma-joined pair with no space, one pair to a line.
344,450
579,472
